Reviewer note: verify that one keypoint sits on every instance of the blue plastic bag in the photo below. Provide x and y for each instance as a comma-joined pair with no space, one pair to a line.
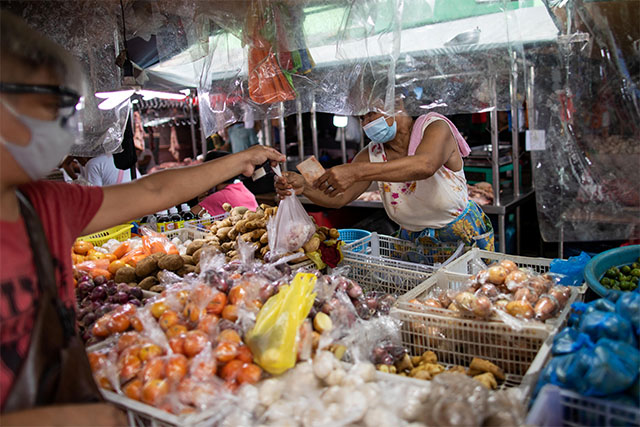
568,370
614,368
572,269
570,340
628,307
601,304
598,324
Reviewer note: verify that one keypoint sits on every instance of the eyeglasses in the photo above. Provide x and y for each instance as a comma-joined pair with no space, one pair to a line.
68,98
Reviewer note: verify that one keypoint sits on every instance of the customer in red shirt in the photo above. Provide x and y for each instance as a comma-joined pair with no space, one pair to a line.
38,97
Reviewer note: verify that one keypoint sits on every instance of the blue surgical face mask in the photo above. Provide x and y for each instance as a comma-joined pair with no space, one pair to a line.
379,131
50,142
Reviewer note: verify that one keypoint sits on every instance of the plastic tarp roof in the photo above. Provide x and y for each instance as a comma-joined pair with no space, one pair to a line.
535,25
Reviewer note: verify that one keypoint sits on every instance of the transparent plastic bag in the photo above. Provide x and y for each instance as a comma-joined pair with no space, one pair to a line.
273,338
290,228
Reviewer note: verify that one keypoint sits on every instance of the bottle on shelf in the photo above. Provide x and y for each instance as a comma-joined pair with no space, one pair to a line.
174,219
162,219
187,215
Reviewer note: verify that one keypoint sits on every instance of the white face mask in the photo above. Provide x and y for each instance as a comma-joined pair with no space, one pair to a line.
50,142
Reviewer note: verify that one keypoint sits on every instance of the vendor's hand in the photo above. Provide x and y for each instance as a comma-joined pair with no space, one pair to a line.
71,167
336,180
288,182
257,155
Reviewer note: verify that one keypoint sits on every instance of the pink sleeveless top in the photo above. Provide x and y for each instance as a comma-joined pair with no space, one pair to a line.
430,203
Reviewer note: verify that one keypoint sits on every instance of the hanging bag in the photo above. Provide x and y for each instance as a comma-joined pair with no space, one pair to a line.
56,369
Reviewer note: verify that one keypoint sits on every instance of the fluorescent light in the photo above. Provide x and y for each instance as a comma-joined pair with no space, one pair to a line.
135,101
340,121
186,91
114,99
150,94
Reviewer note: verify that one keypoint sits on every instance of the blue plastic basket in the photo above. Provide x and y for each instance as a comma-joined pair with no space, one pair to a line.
599,264
350,235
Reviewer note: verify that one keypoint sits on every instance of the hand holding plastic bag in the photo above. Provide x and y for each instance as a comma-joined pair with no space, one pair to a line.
290,228
273,338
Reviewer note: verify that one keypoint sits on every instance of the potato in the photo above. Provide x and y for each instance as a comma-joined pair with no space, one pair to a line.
235,218
241,225
197,271
405,364
232,254
518,309
148,283
321,236
223,232
171,262
224,223
157,288
211,239
487,379
133,285
421,375
233,234
126,274
226,247
429,357
497,275
146,267
255,224
264,239
227,207
196,256
186,269
322,323
312,245
238,210
478,366
157,255
324,230
188,259
194,246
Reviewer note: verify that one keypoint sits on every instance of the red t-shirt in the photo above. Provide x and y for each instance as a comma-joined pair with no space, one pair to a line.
65,210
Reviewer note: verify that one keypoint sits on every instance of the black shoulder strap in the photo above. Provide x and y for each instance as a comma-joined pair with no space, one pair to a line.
39,246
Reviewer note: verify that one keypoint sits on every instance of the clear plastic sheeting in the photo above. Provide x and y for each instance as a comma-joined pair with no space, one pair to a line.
584,95
90,31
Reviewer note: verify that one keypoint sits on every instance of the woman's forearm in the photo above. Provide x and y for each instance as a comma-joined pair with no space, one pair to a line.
412,168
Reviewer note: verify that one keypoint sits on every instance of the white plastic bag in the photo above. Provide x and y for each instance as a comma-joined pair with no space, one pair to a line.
290,228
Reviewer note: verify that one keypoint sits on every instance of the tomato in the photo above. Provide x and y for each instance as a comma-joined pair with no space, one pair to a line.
177,344
153,369
244,354
226,351
176,367
81,247
175,331
129,365
158,308
237,295
168,319
208,323
203,370
230,313
229,335
191,313
115,266
249,373
217,304
133,389
127,340
119,322
155,391
150,351
194,342
100,328
231,370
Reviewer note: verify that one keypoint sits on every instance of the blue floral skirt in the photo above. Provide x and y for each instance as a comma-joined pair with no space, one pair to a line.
472,227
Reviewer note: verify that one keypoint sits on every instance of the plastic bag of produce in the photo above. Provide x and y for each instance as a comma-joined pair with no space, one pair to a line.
598,324
613,370
571,270
570,340
290,228
273,338
628,306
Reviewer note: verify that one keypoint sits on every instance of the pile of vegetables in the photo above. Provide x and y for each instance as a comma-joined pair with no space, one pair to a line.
426,366
501,288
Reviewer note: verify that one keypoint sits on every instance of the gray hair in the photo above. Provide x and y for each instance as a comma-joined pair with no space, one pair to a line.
29,47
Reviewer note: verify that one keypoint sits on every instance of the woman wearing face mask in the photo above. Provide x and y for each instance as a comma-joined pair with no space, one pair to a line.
44,374
418,167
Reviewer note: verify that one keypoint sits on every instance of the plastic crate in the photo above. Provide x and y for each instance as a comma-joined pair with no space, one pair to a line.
469,264
142,415
350,235
203,223
119,232
185,234
457,339
403,251
392,277
559,407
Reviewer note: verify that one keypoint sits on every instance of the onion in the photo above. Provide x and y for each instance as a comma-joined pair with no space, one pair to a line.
100,280
99,293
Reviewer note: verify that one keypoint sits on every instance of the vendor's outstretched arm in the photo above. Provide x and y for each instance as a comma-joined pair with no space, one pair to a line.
160,190
295,182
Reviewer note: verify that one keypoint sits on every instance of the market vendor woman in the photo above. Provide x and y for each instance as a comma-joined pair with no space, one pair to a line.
418,167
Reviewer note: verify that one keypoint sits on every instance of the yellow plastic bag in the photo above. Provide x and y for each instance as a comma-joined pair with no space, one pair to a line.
273,338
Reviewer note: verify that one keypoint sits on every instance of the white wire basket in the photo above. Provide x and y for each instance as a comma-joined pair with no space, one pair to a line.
457,339
204,223
559,407
143,415
402,253
469,264
383,275
186,233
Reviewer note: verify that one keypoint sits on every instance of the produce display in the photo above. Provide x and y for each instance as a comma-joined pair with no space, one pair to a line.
481,193
326,392
623,278
501,289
